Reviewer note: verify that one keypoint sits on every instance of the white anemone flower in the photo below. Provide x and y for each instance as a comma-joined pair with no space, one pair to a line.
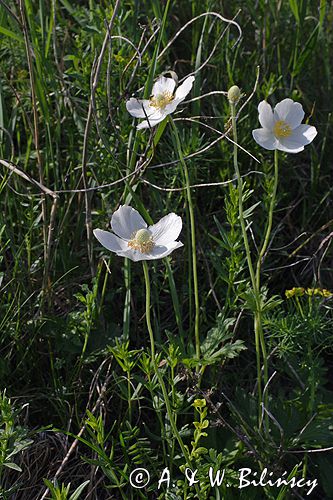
162,102
133,239
283,128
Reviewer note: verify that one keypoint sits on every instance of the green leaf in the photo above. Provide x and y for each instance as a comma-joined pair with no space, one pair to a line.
11,34
79,490
249,211
294,8
220,333
284,492
11,465
271,303
249,298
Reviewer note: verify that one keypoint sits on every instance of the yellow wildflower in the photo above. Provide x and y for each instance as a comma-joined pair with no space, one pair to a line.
295,291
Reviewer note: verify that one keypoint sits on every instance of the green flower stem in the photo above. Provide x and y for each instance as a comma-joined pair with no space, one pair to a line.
150,330
270,218
129,396
260,336
158,374
259,262
240,196
257,315
193,241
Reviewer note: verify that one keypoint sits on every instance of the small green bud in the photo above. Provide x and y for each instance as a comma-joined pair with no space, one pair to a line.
199,403
234,94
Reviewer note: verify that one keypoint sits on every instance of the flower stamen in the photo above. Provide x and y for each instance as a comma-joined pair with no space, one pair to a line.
142,240
161,100
282,129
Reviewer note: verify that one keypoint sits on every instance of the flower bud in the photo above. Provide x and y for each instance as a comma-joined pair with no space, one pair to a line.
234,94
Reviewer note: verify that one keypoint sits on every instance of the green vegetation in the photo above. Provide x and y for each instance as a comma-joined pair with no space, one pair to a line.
190,361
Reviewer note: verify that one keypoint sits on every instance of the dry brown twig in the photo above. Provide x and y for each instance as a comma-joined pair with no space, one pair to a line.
194,186
206,14
150,39
221,134
15,169
108,76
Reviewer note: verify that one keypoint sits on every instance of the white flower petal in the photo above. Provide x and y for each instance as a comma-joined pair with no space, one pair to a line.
158,252
265,138
290,112
170,108
301,136
167,229
152,122
162,85
139,108
289,146
184,89
266,117
133,255
305,133
125,221
110,241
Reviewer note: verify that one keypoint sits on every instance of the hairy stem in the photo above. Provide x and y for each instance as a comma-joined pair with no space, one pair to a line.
270,219
258,270
257,314
193,241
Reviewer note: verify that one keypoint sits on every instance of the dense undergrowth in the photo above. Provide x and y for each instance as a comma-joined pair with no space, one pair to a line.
80,401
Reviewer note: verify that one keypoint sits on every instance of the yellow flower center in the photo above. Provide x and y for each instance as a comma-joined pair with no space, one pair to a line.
161,100
282,129
142,240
